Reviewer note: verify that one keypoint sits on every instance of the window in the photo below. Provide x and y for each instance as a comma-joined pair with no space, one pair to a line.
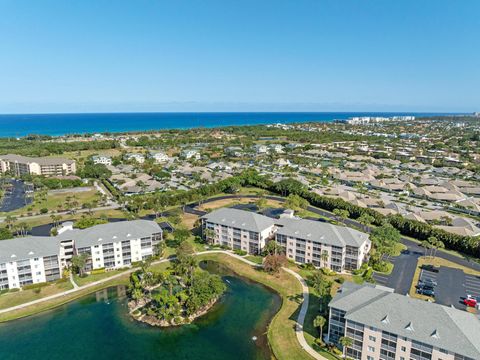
370,358
371,349
372,338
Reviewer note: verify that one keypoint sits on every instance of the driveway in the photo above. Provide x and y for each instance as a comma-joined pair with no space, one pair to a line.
403,271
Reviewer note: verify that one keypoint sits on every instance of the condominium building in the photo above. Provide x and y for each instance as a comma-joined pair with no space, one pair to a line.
322,244
238,229
385,325
37,259
305,241
28,260
47,166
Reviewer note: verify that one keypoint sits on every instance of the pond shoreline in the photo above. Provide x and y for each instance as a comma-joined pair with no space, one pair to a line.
154,321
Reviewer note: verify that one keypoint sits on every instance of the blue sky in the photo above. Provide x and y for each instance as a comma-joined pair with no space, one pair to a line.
229,55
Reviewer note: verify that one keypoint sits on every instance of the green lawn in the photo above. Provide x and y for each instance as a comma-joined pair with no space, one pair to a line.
53,201
89,278
256,259
15,298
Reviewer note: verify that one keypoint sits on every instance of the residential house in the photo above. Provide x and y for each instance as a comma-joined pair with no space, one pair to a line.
102,159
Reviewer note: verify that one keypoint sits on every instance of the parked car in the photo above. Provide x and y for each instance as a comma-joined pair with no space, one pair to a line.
470,301
428,291
430,268
427,282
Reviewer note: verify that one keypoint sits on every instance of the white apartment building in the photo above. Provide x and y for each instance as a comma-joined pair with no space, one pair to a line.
159,156
238,229
28,260
47,166
37,259
135,156
102,159
338,248
385,325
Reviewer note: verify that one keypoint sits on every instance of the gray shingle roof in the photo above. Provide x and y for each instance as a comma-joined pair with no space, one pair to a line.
437,325
39,160
321,232
240,219
111,232
27,248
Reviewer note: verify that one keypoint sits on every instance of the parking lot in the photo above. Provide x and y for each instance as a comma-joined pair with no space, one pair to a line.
16,196
452,285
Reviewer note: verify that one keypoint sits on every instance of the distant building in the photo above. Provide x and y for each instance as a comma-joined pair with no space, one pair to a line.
135,156
159,156
238,229
190,153
37,259
385,325
21,165
261,149
102,159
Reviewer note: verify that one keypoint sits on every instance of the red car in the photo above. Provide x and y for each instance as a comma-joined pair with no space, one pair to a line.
470,301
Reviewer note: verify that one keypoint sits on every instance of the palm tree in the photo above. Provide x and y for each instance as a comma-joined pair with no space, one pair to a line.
324,257
438,245
346,342
319,322
426,245
10,221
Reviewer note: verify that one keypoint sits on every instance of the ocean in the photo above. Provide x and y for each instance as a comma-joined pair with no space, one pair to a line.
64,124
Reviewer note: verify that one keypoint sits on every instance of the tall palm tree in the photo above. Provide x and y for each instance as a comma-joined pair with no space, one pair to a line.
324,257
319,322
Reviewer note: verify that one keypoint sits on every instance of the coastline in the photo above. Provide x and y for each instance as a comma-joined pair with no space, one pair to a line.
19,125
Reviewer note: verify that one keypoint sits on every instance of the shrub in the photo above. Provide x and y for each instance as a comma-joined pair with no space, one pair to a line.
340,280
43,210
97,271
240,252
35,286
381,266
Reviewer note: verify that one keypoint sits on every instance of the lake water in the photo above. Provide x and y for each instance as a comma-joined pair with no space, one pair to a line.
98,327
61,124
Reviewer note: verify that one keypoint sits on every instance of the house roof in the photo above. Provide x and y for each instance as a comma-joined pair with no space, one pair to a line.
436,325
241,219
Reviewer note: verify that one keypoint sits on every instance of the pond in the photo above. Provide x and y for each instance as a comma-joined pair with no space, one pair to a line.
97,326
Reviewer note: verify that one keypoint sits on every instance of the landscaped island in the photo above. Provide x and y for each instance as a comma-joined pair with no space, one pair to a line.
175,296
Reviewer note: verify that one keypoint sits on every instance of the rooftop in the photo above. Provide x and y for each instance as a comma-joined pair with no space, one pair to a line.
240,219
